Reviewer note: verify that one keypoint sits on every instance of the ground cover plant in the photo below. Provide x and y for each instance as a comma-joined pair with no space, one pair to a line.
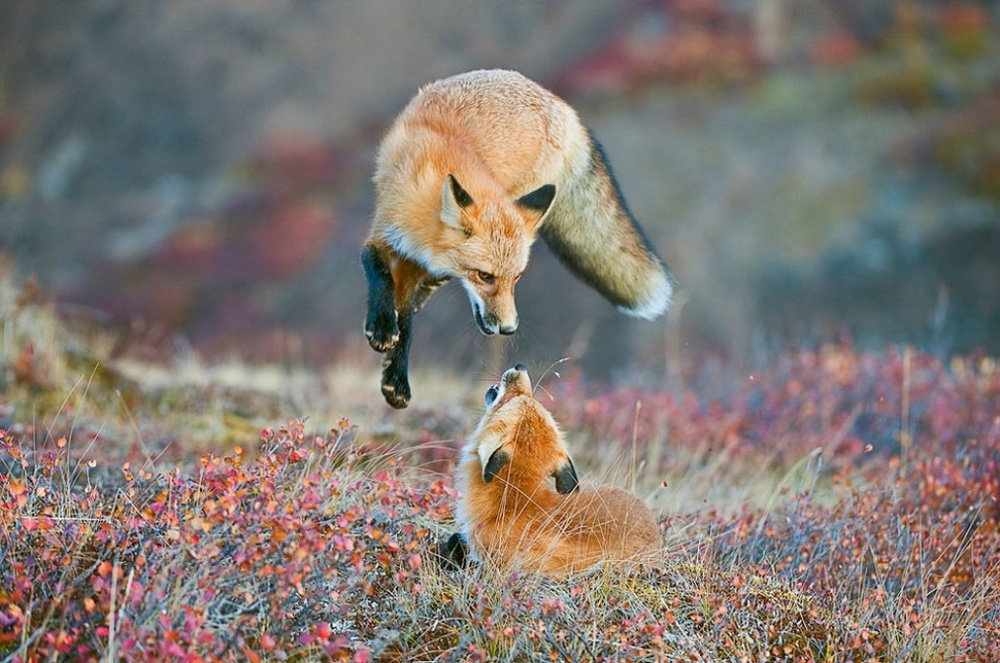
835,505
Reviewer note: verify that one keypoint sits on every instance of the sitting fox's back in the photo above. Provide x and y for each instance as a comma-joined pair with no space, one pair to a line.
614,519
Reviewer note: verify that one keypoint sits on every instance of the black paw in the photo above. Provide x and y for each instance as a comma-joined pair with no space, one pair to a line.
451,554
395,385
382,330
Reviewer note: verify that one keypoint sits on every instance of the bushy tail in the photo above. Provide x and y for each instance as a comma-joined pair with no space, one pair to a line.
592,232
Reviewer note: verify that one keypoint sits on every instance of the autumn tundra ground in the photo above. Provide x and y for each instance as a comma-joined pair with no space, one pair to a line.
834,505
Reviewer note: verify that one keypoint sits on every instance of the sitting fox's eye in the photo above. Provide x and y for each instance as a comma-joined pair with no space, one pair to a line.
491,394
485,277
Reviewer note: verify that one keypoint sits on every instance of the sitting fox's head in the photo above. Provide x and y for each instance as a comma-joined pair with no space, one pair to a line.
509,514
493,251
518,441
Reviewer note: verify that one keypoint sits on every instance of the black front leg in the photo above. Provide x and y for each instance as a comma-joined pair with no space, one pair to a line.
452,553
381,324
395,366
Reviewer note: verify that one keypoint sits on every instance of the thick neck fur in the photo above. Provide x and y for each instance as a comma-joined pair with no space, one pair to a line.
535,444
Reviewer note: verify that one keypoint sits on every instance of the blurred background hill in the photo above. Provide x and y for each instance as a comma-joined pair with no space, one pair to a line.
198,172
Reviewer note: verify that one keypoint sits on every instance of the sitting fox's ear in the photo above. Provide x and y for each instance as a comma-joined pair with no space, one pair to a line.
453,199
566,481
492,453
497,461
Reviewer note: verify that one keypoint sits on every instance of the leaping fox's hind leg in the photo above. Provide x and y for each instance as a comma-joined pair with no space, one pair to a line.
425,290
395,367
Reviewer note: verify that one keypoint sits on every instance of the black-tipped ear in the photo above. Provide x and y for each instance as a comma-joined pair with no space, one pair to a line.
566,481
539,199
496,463
462,197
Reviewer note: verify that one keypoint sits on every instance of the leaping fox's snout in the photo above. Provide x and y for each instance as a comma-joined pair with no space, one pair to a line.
490,324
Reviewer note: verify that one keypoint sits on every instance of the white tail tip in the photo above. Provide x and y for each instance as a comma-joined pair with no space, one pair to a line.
655,303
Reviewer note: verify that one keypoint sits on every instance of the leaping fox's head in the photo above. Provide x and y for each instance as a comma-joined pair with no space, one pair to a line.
489,260
518,441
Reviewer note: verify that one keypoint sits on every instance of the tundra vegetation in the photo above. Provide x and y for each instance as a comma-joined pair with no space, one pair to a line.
831,504
834,505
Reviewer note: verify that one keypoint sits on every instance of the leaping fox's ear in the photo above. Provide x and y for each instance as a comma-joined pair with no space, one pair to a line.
566,481
453,199
538,200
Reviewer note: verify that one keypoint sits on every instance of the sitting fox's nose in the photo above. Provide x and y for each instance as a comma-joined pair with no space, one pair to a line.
520,367
507,330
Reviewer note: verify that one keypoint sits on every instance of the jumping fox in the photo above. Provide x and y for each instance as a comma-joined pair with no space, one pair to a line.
509,514
472,169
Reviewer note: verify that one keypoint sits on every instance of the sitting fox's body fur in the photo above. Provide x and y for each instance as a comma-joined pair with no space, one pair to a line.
510,514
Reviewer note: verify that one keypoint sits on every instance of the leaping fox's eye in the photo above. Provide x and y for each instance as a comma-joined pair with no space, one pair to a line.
485,277
492,393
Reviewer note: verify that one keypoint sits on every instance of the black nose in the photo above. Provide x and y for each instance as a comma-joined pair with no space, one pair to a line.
521,367
507,330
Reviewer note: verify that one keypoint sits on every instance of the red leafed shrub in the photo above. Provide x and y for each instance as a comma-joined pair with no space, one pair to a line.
239,557
836,505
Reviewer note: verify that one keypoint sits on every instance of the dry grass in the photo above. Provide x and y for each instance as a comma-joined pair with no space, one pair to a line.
826,509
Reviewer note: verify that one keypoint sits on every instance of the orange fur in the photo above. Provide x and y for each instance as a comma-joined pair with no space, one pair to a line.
516,519
492,135
473,169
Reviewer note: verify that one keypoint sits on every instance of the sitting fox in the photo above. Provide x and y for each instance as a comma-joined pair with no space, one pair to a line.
509,513
470,171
